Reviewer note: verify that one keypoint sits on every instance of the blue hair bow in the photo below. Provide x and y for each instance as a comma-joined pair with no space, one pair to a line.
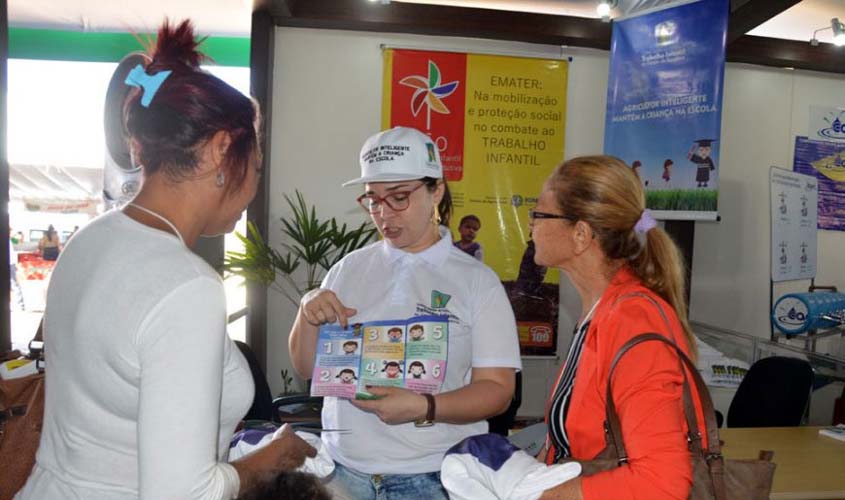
149,83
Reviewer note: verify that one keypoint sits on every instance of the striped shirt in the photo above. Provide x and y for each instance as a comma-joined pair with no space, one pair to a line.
559,403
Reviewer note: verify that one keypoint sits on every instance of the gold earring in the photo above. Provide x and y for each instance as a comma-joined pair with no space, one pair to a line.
435,219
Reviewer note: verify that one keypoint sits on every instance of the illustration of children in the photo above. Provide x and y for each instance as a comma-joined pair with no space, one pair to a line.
699,154
394,335
391,369
417,369
417,333
347,376
667,170
350,347
635,167
469,227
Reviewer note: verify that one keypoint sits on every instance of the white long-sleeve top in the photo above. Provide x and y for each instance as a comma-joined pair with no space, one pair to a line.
144,388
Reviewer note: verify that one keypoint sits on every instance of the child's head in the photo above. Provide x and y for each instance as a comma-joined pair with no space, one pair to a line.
417,332
350,346
394,334
346,376
469,226
391,369
289,486
416,369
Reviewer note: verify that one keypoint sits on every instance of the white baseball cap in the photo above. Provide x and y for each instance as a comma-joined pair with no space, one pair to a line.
398,154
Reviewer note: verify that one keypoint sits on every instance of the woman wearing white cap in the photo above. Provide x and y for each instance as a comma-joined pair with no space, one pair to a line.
398,441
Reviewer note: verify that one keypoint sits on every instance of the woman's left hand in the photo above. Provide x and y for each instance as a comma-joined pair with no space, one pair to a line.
395,405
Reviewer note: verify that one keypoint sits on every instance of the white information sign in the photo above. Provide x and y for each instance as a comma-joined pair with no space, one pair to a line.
794,208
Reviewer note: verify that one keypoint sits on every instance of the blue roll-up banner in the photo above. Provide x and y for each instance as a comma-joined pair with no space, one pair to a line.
664,104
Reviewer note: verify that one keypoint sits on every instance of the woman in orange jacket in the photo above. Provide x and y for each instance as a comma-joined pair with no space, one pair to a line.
590,221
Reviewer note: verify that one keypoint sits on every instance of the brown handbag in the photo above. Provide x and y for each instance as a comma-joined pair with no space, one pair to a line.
21,416
714,477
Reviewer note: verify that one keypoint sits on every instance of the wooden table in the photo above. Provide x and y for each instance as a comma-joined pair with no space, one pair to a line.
809,466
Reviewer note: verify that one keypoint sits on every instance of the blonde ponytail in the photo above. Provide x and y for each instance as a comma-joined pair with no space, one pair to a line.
660,266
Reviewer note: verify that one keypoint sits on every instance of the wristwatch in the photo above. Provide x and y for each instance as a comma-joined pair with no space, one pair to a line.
428,421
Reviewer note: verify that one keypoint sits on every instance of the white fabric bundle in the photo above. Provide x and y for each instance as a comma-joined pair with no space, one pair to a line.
489,467
247,441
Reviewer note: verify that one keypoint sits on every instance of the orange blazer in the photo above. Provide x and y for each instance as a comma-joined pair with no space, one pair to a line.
647,390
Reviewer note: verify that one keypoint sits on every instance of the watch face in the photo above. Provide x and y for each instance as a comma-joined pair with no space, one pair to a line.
791,315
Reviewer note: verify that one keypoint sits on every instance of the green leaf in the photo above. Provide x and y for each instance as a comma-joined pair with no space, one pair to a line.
310,247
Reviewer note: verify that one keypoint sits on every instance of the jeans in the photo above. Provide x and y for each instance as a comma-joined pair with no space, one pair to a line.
353,485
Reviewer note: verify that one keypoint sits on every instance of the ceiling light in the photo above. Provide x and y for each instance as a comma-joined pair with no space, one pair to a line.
838,33
604,7
603,10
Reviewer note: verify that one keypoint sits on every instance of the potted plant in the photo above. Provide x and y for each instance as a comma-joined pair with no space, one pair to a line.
314,245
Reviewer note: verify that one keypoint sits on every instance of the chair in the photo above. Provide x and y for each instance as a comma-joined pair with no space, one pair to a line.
774,393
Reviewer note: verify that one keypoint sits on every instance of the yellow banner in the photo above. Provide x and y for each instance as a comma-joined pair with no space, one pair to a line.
513,112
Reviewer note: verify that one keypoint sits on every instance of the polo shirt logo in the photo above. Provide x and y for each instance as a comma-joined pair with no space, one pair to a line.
439,299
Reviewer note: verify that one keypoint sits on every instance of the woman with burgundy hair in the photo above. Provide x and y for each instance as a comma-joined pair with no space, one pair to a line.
144,388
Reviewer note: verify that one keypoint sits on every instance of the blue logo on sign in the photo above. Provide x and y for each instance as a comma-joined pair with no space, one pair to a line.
836,131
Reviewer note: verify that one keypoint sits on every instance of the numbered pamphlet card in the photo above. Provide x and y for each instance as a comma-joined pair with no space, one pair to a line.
410,353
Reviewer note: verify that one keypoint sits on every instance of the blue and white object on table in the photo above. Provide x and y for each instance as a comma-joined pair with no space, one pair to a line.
796,313
489,467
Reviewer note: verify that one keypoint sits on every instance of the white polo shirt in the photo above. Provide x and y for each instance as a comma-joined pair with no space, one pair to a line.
385,283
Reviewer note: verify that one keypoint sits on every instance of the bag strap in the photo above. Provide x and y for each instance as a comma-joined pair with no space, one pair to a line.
693,434
713,457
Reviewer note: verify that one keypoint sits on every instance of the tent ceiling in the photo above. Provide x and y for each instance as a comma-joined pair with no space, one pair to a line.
38,182
232,17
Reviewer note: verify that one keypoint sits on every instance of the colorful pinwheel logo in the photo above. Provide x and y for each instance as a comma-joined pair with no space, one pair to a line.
429,92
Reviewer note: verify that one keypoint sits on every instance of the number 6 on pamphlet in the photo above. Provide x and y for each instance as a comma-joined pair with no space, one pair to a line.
435,371
438,332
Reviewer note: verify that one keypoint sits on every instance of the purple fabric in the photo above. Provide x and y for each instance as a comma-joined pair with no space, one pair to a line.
646,222
491,450
251,436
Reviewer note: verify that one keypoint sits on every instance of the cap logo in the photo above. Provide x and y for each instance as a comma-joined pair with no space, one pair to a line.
431,155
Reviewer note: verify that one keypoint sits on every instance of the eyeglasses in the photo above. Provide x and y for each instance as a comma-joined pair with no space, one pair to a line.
398,201
534,214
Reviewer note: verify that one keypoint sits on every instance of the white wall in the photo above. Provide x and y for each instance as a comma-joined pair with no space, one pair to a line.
764,109
327,100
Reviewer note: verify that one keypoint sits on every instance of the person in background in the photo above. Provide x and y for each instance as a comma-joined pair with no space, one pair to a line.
17,293
591,223
145,388
398,441
468,228
50,245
